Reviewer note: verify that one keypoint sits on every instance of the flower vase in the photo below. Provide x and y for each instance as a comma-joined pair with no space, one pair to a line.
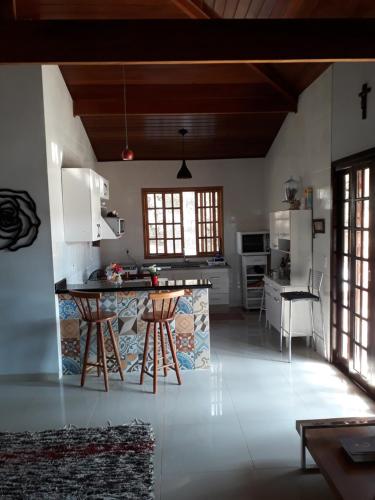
155,280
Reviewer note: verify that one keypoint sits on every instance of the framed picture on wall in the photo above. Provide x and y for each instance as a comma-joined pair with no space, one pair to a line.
319,226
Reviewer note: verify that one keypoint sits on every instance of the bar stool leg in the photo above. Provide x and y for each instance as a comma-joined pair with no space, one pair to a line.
86,355
312,324
155,358
145,350
115,349
173,352
165,360
104,357
98,354
290,332
323,329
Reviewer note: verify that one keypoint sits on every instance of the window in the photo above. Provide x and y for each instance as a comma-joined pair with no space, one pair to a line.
180,222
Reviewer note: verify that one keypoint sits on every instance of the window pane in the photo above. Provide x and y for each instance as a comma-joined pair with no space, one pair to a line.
357,332
151,216
366,213
159,215
358,273
359,183
365,274
346,186
345,320
358,213
168,200
161,246
176,200
169,216
170,248
160,231
177,216
358,301
364,333
345,294
364,304
178,246
152,246
177,234
365,245
366,190
159,200
358,243
170,231
150,200
152,231
345,268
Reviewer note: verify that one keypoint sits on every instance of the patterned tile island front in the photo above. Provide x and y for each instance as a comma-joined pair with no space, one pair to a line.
191,329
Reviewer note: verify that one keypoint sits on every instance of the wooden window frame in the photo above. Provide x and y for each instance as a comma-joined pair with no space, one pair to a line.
220,221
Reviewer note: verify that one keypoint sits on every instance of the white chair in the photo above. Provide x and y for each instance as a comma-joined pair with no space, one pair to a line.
311,295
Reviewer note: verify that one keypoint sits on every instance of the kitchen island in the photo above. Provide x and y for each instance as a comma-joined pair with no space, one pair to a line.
129,300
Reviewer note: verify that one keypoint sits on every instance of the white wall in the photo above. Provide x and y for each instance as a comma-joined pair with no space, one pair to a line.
28,337
351,134
244,206
67,146
303,148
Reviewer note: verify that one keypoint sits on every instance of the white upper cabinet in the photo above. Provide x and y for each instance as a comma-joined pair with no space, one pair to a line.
82,189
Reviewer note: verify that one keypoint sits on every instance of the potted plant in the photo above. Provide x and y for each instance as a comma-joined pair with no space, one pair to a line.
153,270
114,272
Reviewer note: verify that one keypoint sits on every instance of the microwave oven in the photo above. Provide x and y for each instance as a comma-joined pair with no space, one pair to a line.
253,243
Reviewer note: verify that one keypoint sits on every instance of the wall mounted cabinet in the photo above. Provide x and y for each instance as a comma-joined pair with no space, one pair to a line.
82,192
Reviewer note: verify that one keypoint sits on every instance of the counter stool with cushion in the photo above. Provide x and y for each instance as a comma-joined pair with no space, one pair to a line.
163,313
88,306
311,295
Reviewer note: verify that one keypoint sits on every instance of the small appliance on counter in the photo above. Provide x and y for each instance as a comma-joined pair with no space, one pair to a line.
217,260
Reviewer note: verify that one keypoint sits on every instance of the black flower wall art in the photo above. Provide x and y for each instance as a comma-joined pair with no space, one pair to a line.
19,223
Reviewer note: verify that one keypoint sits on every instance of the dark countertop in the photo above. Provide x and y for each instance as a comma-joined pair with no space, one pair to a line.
135,285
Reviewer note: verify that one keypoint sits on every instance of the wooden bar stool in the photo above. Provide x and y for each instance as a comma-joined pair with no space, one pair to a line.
88,306
163,312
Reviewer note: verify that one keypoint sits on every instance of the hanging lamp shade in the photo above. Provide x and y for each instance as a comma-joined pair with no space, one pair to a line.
184,172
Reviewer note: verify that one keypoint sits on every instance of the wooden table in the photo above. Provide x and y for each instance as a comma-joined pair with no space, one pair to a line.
322,438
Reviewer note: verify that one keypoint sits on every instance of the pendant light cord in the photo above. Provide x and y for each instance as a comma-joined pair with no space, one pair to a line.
125,116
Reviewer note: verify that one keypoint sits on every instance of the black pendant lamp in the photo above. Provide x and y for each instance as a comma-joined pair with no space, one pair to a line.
184,172
127,153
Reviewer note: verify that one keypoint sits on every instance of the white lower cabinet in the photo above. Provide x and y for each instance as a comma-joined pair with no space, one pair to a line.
218,294
300,317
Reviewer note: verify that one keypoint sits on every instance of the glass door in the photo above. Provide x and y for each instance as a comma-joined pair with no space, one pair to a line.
353,338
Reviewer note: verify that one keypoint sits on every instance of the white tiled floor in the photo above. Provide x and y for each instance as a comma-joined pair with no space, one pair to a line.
226,433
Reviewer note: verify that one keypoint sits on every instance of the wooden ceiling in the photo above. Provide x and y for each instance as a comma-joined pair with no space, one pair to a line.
230,110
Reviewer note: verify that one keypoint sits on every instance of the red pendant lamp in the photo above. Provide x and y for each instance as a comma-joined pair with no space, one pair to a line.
127,153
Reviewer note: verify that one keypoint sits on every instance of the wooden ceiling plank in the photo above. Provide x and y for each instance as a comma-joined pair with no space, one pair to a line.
271,75
87,107
191,9
229,40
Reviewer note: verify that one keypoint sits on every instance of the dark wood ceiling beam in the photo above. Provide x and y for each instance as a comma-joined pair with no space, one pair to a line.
8,10
151,106
272,77
187,41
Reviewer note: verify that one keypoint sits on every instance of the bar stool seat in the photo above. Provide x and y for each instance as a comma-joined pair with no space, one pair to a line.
299,296
88,306
163,312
